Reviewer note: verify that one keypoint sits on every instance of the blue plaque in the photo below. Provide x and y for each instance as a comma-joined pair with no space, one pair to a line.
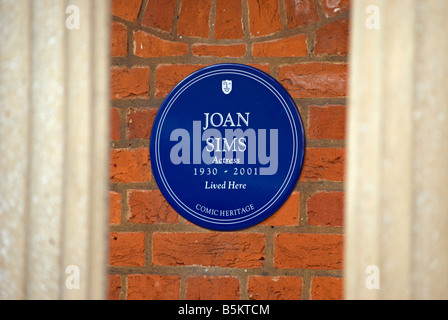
227,147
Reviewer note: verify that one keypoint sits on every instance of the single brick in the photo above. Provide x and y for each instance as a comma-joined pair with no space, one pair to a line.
308,251
332,39
119,40
327,288
274,288
129,83
140,123
334,7
314,79
153,287
301,13
159,14
213,288
129,165
194,18
114,207
114,287
323,164
326,209
149,46
264,17
209,50
227,250
126,9
326,122
115,124
168,75
149,206
228,21
127,249
288,214
294,46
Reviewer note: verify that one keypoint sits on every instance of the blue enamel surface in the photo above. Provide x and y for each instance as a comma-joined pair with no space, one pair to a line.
229,101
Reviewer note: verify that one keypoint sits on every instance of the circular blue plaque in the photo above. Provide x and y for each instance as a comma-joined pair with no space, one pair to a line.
227,147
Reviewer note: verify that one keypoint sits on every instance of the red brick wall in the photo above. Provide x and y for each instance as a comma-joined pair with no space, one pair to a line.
295,254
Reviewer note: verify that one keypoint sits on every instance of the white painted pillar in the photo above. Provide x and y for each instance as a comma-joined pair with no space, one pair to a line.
397,168
54,80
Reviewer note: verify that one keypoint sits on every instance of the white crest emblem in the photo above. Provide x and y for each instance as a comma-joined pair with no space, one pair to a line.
226,86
